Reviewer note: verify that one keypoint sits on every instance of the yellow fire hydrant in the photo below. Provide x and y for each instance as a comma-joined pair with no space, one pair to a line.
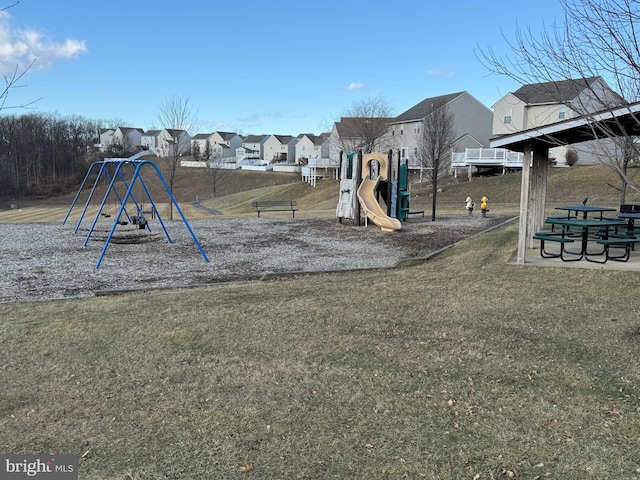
483,206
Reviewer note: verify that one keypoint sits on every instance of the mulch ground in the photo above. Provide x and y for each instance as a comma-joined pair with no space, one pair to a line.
42,261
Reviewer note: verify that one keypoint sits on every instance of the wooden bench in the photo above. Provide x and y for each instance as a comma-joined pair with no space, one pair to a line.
415,212
555,237
276,206
617,242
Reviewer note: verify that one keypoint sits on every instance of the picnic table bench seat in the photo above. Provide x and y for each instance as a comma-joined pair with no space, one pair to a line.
275,206
555,237
617,241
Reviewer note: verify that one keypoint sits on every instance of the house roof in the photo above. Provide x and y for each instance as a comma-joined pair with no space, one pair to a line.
315,139
151,133
254,138
554,92
422,109
201,136
350,127
175,131
227,135
284,139
130,129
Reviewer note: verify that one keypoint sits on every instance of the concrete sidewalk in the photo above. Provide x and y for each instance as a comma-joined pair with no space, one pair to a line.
532,257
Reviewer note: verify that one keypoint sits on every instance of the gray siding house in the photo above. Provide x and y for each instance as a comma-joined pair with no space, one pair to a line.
472,124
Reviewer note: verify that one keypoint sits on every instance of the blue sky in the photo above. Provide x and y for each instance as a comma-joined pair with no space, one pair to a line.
283,67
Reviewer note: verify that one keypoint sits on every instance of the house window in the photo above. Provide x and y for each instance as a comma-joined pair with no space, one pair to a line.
403,153
402,130
507,116
562,112
416,127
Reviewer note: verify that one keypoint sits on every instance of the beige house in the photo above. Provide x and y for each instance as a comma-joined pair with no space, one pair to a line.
172,142
278,148
121,140
540,104
311,146
216,145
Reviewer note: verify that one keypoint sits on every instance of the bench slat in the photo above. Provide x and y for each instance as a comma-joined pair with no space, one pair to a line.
618,241
552,237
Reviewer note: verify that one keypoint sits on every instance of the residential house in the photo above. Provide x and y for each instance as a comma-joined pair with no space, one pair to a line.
216,145
126,140
121,140
311,146
471,124
352,134
149,141
539,104
106,135
202,147
279,149
252,146
173,142
228,140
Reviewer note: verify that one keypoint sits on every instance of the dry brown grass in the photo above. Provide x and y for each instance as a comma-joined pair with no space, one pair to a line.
565,186
464,367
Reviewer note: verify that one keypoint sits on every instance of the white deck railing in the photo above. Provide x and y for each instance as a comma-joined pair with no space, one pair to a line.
489,157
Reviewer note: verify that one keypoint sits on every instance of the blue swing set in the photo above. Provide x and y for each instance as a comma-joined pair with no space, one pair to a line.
119,168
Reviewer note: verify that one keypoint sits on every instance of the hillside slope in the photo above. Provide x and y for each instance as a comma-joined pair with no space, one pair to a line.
565,186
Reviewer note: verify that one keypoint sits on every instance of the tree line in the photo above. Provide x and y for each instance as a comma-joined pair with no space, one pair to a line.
43,154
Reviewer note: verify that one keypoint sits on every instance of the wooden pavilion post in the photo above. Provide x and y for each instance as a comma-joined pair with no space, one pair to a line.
524,204
533,192
538,191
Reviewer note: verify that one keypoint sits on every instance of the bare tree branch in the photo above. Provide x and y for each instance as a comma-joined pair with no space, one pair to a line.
595,38
365,126
11,81
435,144
177,116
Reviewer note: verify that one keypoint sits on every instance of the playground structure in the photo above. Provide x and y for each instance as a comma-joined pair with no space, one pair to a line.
114,171
364,179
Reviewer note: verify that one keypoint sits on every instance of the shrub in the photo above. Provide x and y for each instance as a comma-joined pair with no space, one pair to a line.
571,156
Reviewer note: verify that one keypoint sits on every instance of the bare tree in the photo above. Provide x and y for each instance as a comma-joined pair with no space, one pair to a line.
215,171
216,175
596,38
434,144
365,126
13,79
177,116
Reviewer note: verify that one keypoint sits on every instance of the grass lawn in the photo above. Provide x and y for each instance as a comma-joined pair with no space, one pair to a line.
464,367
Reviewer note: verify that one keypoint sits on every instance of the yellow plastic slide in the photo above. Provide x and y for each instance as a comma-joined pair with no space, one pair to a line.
373,210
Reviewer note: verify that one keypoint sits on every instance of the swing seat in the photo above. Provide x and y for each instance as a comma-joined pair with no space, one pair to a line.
139,220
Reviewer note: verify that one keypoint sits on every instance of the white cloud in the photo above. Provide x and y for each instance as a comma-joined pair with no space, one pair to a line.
443,73
19,48
356,86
